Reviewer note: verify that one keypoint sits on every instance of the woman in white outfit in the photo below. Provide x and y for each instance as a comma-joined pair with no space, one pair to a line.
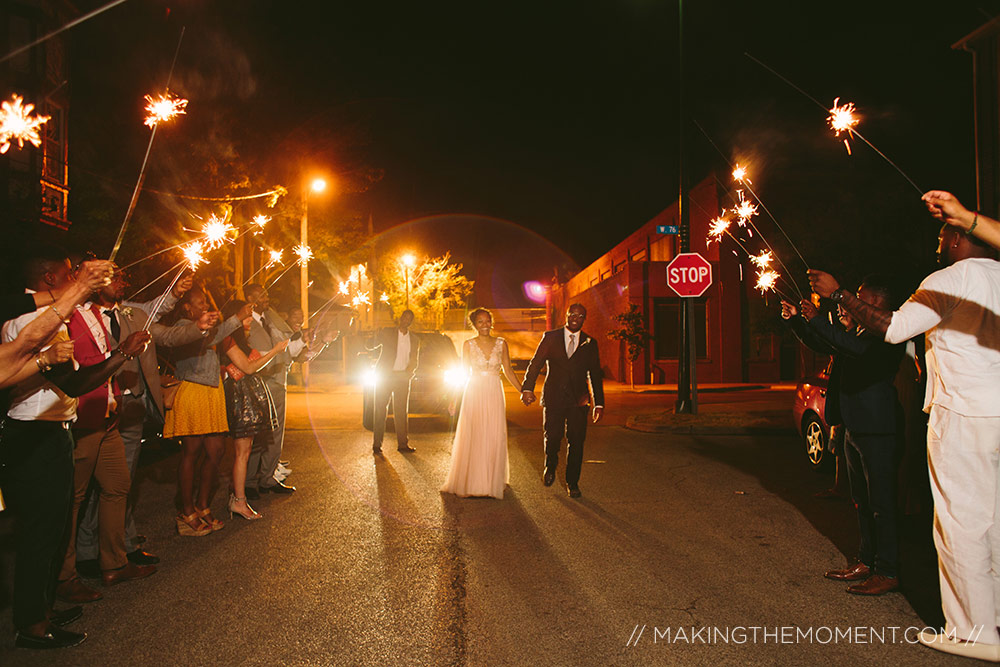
479,464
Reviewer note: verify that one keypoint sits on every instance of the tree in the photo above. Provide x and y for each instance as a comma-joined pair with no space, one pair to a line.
632,331
435,285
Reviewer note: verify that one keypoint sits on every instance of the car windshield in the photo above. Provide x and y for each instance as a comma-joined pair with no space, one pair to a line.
436,351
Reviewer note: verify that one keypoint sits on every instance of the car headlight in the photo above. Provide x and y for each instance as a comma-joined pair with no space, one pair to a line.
368,377
455,377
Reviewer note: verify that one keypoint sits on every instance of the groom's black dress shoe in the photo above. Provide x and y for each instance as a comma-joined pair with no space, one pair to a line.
55,637
548,477
573,491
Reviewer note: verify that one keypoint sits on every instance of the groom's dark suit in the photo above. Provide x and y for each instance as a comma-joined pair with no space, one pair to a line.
566,395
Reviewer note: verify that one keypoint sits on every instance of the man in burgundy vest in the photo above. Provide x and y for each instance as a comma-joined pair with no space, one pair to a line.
99,453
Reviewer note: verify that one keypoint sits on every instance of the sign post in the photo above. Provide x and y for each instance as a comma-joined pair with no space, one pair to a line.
689,275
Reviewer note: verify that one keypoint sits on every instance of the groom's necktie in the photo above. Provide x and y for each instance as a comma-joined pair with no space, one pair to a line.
571,346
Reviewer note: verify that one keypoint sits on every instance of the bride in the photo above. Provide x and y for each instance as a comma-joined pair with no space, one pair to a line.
479,452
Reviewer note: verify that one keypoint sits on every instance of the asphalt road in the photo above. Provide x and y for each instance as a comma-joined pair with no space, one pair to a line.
678,543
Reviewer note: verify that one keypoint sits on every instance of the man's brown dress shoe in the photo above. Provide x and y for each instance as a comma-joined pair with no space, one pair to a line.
128,573
75,591
858,572
877,584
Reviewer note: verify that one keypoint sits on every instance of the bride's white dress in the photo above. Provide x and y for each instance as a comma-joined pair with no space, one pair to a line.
479,464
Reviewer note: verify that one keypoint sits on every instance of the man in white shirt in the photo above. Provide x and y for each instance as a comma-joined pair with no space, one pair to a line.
397,362
958,307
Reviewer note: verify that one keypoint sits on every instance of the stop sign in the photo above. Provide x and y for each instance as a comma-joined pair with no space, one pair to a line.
689,274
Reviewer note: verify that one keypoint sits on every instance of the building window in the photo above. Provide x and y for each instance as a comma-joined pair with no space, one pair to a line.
666,328
639,255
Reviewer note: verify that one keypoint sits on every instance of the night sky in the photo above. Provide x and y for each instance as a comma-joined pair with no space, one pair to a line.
543,119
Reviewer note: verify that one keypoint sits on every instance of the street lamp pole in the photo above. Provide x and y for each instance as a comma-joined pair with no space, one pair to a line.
408,261
318,185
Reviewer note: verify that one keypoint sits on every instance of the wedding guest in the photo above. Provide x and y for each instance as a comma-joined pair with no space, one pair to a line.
248,401
267,330
140,395
198,417
36,452
958,307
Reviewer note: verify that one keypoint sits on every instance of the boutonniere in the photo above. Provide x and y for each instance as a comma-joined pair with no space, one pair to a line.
127,312
585,341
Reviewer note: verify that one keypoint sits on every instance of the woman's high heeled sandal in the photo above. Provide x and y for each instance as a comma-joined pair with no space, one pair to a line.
251,515
192,526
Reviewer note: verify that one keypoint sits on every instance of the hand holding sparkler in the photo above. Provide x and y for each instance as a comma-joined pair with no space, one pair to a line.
808,309
135,344
183,285
788,310
58,353
208,320
822,283
95,274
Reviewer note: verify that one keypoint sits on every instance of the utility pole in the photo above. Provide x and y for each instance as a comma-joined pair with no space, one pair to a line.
687,380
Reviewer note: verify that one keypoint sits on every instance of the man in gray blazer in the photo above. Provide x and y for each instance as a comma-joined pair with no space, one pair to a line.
266,330
139,382
397,362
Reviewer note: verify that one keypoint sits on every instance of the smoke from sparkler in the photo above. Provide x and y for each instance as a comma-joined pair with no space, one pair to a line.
304,253
17,124
164,107
842,119
767,280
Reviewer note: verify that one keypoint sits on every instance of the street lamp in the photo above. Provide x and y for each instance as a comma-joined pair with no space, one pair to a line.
408,261
318,185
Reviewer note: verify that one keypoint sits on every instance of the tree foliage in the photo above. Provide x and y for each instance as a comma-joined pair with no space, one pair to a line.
435,285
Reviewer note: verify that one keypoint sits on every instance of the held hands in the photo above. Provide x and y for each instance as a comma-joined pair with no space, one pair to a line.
807,309
823,283
183,285
598,413
135,343
208,320
527,397
788,310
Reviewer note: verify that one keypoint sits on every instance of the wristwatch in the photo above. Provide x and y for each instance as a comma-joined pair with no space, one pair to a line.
837,295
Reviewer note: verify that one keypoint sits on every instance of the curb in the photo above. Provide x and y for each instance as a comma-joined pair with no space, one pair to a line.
634,425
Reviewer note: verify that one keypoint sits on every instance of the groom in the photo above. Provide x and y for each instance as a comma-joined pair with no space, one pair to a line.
571,358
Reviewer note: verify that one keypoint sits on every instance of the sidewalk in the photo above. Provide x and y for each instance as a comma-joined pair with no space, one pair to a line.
754,409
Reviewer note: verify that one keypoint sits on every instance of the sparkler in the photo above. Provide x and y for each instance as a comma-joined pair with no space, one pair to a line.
260,221
842,119
304,253
145,161
717,228
194,254
216,232
17,124
384,298
344,287
763,260
193,257
740,174
767,281
745,210
163,108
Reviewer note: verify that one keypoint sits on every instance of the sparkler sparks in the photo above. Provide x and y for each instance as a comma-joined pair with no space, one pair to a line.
17,124
260,221
304,254
740,174
216,232
717,228
276,257
767,280
344,287
842,119
164,107
194,254
384,298
744,210
763,260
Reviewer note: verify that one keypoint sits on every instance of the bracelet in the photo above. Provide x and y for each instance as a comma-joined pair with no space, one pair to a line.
837,295
42,366
51,295
975,221
58,314
128,357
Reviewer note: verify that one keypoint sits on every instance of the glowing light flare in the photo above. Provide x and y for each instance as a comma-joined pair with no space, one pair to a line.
763,260
842,119
740,174
534,291
216,232
162,108
18,124
767,280
717,228
304,253
194,254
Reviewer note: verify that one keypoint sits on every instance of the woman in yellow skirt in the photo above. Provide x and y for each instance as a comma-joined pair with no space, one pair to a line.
198,416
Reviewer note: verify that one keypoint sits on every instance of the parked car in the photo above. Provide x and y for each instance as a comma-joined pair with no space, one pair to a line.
808,411
437,382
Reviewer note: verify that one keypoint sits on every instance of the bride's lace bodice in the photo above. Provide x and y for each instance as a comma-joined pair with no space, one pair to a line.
480,364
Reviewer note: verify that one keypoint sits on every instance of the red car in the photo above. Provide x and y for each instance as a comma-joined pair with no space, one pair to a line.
808,410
